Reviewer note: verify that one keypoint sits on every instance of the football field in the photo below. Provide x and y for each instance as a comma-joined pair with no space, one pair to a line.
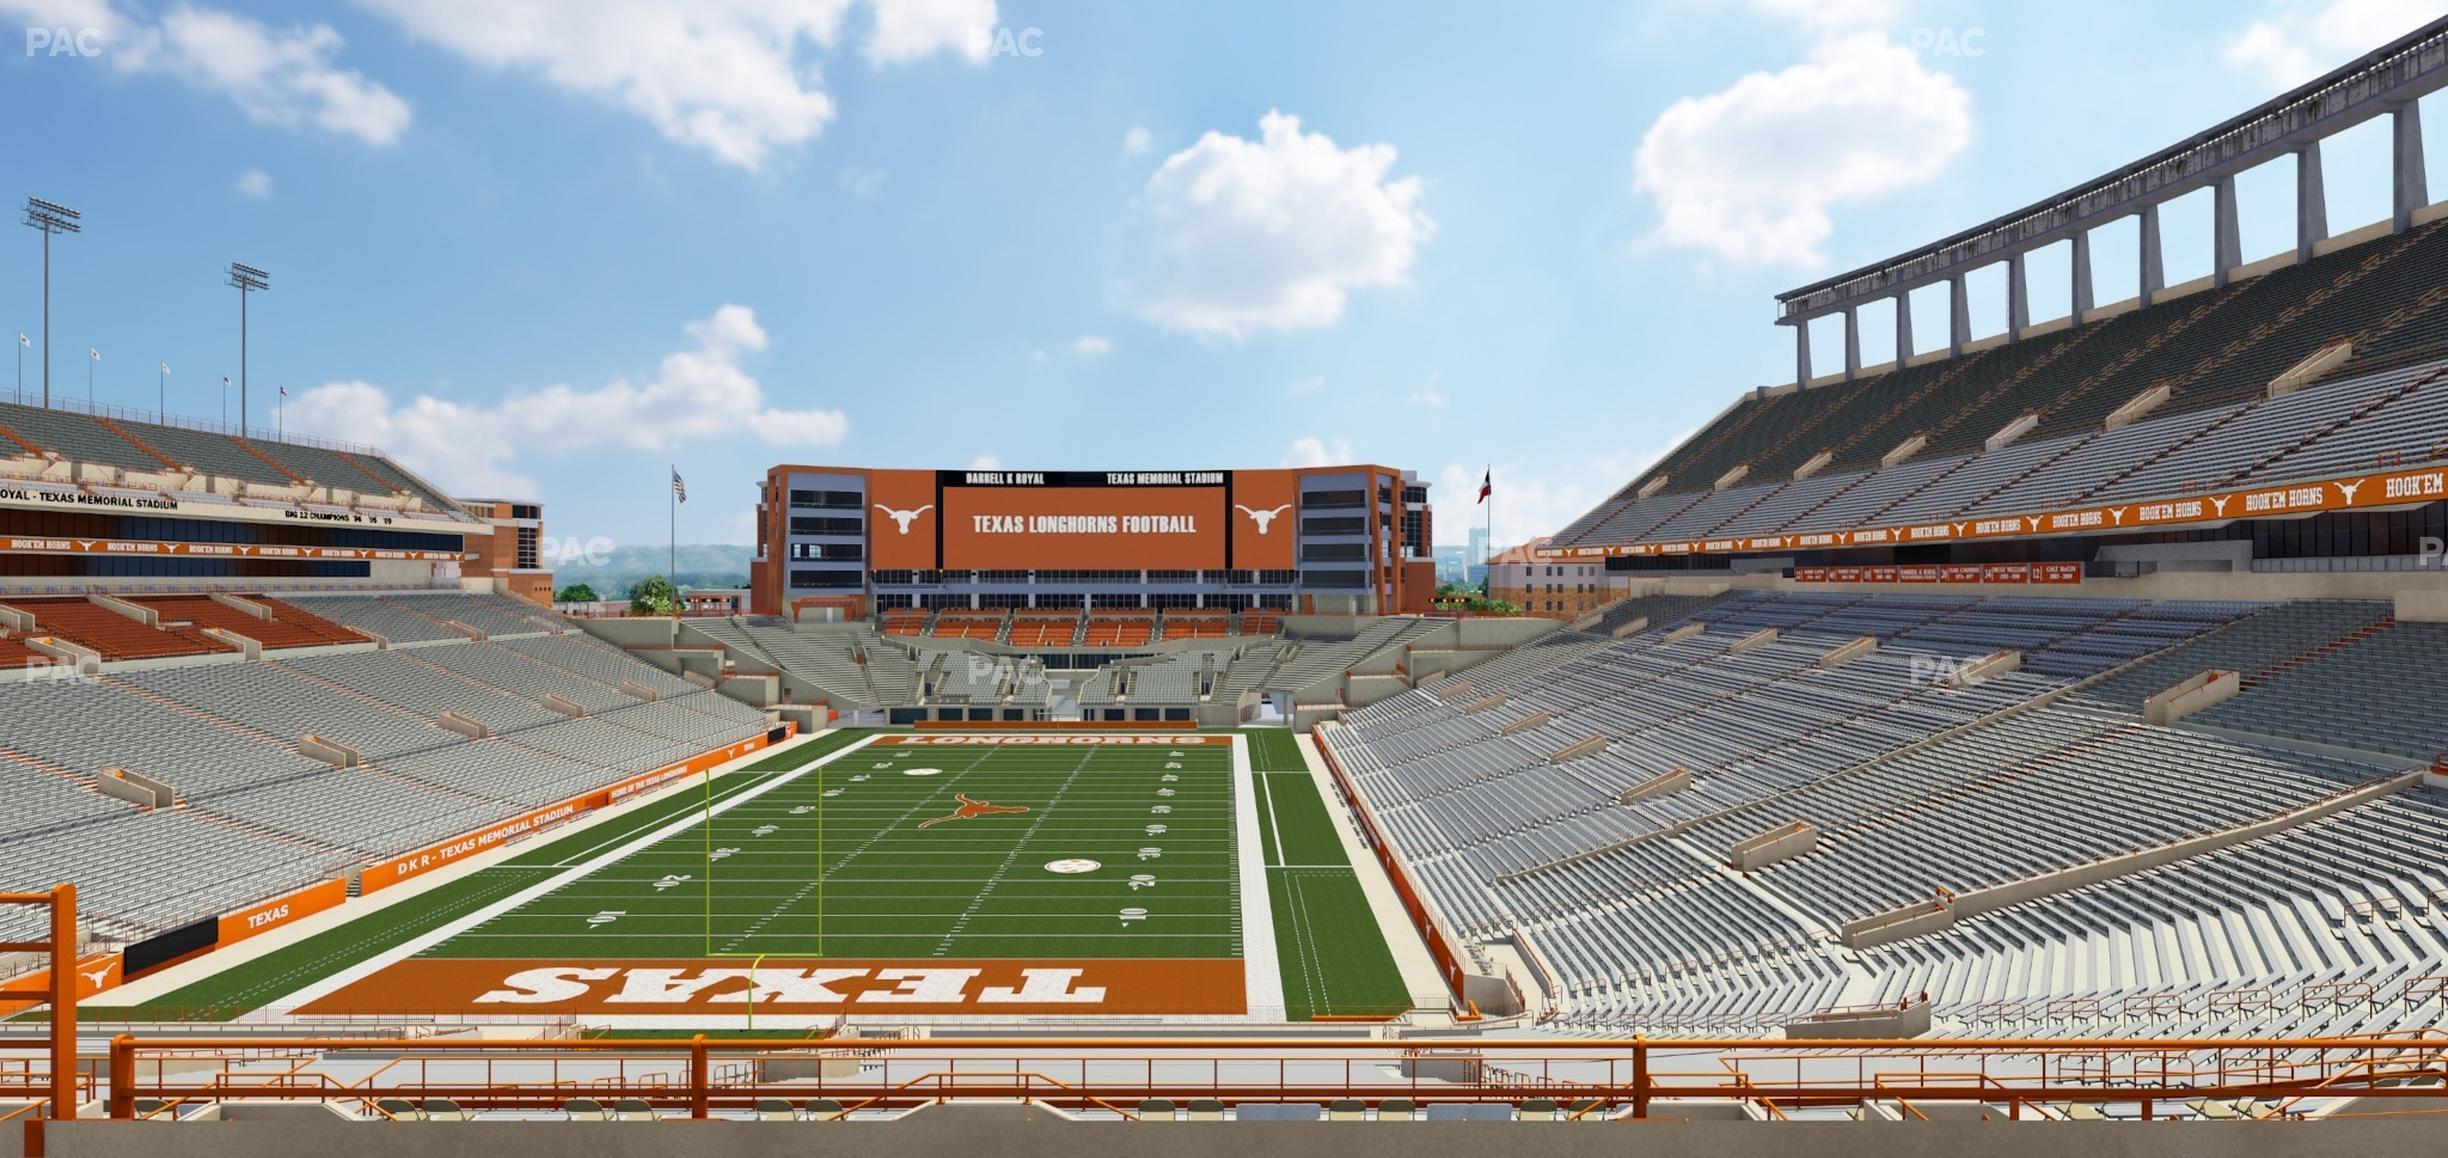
888,872
914,849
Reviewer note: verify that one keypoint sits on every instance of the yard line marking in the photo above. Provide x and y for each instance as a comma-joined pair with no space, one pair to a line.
544,888
824,873
977,902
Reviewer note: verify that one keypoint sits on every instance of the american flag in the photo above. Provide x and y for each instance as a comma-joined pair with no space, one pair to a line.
679,488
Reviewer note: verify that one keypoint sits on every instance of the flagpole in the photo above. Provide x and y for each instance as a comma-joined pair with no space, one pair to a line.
1487,579
671,569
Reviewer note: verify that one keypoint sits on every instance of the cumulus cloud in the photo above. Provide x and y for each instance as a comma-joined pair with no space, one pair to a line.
253,183
911,30
1750,172
277,76
1091,346
699,392
1311,450
2297,40
1136,141
859,182
1235,236
1309,384
986,462
736,78
1428,398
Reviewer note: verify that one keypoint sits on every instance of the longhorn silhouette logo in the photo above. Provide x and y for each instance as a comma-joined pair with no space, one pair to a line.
904,518
972,809
1264,519
2348,489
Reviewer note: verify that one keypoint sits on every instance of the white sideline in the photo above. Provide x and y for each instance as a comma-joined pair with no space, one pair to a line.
1261,968
397,953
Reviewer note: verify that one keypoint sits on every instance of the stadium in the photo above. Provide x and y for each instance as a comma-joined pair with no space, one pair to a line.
2035,742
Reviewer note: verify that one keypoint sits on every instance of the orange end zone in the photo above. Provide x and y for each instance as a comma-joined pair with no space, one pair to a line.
792,986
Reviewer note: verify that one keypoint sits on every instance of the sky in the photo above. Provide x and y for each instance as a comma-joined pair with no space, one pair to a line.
544,249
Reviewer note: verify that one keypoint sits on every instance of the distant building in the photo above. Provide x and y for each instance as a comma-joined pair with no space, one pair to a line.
1557,589
1478,553
510,560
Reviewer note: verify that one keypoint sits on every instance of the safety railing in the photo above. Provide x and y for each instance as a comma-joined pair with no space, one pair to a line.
1639,1078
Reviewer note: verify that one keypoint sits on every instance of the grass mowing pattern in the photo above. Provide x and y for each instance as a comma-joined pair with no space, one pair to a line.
247,986
1335,962
835,863
1334,956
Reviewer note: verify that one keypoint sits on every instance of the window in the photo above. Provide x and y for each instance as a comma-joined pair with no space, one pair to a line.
817,526
1334,526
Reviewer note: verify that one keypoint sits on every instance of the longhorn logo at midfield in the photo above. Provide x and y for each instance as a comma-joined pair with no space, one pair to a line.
972,809
904,518
1264,519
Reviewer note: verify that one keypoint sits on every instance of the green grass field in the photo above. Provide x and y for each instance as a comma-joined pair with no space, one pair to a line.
858,860
831,862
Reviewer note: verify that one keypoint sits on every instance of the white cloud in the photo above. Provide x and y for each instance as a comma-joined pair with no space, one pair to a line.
253,183
1091,346
859,182
910,30
277,76
1237,236
696,393
1310,450
1136,141
1749,173
1428,398
736,78
2298,40
986,462
1308,385
1525,507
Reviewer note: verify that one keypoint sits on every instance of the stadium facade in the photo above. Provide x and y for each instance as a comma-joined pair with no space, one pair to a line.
1347,539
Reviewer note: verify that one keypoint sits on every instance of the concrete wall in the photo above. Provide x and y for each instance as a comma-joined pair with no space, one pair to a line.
1021,1133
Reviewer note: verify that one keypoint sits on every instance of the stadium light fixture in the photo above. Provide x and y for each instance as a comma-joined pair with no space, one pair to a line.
93,358
246,279
50,217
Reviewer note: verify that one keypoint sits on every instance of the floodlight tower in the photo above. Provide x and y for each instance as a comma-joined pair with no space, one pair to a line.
246,279
50,217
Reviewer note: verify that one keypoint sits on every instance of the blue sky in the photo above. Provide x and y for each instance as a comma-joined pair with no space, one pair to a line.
543,248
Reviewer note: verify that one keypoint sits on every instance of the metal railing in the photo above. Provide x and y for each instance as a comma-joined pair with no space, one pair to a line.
1638,1078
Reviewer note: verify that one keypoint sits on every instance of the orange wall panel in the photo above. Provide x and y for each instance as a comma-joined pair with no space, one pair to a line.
891,545
1083,528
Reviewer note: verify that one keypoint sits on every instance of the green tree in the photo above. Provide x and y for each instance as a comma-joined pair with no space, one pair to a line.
653,595
577,593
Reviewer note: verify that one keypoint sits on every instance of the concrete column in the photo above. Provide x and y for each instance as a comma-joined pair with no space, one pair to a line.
1852,343
2227,232
1959,316
1802,374
1904,338
2154,270
2311,202
2018,299
2081,276
2412,189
